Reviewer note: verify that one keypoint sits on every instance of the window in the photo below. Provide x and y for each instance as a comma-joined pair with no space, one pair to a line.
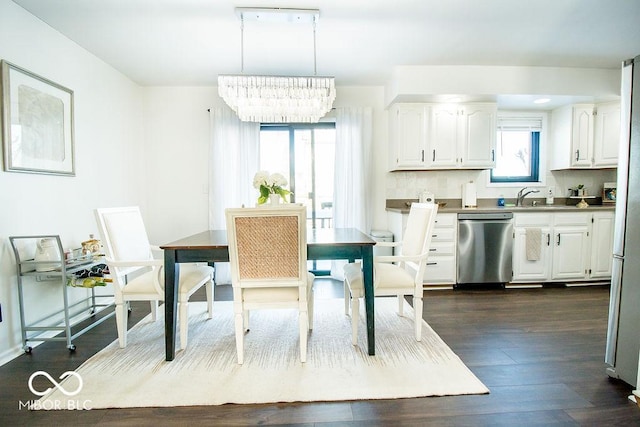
517,150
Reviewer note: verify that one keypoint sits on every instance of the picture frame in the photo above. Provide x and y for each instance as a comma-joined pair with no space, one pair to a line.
609,193
37,123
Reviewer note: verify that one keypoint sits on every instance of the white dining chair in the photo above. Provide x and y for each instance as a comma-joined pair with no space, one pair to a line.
399,274
268,259
138,276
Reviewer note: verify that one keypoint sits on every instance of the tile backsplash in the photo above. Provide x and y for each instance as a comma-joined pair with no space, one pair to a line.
447,184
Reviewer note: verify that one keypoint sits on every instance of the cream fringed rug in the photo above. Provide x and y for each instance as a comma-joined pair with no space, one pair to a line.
207,373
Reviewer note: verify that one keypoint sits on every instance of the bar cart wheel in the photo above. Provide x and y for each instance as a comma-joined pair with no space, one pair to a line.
72,347
27,349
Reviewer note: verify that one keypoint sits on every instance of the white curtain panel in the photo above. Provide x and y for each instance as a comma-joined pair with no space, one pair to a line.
233,161
351,207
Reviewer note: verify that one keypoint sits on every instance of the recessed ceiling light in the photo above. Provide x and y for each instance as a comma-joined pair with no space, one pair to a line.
541,101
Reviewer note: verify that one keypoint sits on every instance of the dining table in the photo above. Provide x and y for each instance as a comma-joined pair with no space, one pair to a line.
211,246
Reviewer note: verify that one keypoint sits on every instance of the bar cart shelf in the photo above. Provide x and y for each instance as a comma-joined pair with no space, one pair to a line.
56,270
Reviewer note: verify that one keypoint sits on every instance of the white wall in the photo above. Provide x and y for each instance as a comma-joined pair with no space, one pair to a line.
409,83
177,150
108,135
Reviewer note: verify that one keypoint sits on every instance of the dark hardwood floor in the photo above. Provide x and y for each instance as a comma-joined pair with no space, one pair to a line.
539,351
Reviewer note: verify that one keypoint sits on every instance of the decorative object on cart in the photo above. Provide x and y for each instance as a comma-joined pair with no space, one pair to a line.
278,99
91,246
37,123
59,321
90,277
47,250
271,187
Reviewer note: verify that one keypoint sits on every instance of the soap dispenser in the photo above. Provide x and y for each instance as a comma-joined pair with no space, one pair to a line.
549,200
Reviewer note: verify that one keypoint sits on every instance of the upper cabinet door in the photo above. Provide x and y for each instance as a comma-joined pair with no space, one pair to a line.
478,136
443,137
606,139
582,135
408,136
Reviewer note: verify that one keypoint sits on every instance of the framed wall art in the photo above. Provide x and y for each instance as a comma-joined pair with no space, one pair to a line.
37,123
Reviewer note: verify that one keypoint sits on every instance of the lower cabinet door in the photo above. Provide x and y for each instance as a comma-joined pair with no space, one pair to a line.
440,270
537,266
570,253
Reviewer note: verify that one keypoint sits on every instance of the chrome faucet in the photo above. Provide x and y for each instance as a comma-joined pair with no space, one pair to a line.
522,195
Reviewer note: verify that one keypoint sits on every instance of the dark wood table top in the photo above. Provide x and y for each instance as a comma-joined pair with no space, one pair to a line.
217,239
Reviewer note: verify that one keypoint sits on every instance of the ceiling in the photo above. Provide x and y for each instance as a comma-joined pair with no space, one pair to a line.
190,42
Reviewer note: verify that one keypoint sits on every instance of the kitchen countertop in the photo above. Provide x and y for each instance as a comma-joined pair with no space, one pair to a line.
490,206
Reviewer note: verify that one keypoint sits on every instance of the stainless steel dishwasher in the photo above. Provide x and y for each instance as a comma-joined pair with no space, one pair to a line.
485,242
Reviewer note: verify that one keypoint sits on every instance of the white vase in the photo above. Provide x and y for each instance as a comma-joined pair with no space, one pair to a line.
274,199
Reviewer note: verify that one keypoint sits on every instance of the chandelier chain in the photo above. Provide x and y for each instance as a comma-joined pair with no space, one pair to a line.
315,68
241,44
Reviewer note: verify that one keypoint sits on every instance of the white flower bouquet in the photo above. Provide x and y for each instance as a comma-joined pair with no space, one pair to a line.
269,184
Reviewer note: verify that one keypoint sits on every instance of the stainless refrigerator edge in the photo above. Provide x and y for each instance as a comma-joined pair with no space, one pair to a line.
623,333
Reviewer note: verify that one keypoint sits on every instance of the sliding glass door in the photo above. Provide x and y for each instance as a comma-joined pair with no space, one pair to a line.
305,155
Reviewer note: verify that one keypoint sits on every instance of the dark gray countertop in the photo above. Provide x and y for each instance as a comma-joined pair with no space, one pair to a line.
490,205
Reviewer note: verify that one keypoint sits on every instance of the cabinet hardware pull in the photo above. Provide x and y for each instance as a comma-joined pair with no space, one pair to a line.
493,155
548,239
434,156
558,243
423,155
432,263
577,155
432,250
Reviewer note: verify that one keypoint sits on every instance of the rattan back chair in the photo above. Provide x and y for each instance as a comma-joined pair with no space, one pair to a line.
268,258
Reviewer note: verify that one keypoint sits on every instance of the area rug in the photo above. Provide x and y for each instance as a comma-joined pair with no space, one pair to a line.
207,372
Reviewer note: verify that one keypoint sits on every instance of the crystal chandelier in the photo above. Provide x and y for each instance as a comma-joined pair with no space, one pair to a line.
278,99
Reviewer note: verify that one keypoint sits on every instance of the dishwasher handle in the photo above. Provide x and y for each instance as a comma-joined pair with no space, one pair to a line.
488,216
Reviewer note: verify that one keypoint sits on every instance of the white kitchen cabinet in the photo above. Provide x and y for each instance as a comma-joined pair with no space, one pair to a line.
575,246
443,137
462,136
585,136
572,136
531,270
441,264
601,245
439,136
570,252
407,136
478,138
606,138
